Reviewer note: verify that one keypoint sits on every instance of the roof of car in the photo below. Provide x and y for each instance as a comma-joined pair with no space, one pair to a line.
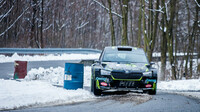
124,48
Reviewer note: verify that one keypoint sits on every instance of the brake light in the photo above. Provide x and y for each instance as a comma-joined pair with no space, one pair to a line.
148,85
104,84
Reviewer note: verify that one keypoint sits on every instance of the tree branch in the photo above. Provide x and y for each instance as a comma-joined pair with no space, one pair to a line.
7,13
13,22
114,13
197,3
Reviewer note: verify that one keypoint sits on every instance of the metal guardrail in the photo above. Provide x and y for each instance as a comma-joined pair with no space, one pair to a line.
64,50
48,50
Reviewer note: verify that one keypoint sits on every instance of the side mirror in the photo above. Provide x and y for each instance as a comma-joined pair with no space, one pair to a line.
96,61
152,63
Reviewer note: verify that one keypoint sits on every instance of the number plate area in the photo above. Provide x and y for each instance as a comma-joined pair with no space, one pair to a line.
126,84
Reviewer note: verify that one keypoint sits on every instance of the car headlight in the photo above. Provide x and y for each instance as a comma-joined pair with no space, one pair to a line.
105,72
148,74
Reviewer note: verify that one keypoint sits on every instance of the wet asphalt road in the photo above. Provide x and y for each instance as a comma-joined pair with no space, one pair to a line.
162,102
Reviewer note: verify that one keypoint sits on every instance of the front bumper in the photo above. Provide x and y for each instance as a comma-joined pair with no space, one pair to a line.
108,83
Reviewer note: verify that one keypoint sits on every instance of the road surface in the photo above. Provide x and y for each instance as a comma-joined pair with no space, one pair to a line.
162,102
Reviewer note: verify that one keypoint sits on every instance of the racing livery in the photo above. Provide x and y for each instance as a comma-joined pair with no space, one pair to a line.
123,68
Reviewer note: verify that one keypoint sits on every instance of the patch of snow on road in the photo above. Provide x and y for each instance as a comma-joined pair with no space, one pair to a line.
14,94
15,56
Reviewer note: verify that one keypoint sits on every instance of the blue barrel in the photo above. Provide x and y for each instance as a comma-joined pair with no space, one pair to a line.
73,78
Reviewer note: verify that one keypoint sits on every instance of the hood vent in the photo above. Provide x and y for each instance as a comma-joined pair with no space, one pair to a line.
124,49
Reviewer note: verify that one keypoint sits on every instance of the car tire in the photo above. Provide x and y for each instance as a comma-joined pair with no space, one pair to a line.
152,92
92,85
96,91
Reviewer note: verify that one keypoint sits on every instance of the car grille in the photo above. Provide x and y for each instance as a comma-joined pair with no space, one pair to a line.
122,75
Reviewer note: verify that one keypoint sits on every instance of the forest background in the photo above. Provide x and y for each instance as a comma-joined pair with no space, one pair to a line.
168,27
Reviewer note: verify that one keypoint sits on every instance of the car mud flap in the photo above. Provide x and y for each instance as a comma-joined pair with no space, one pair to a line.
97,84
154,86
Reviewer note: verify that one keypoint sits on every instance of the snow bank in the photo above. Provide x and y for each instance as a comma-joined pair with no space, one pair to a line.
180,85
37,89
55,76
14,94
15,56
52,75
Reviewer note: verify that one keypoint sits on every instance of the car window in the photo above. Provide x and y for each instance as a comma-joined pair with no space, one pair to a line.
124,57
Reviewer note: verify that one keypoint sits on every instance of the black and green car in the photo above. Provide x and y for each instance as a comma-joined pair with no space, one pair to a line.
123,68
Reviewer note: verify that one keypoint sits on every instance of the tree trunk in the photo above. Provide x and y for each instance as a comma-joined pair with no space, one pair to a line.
163,45
41,29
32,36
144,27
124,22
194,33
153,31
169,35
113,41
139,25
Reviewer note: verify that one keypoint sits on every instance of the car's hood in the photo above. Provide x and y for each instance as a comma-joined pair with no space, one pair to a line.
131,67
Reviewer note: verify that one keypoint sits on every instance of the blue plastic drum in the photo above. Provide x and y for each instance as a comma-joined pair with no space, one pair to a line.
73,78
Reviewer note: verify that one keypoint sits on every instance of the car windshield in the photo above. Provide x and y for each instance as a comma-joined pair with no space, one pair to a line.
124,56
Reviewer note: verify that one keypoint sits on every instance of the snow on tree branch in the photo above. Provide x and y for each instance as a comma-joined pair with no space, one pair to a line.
2,4
108,9
14,22
155,10
82,25
47,27
7,13
197,3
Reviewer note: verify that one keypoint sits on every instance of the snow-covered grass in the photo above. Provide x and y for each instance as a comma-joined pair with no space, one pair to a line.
15,56
190,88
180,85
14,94
37,89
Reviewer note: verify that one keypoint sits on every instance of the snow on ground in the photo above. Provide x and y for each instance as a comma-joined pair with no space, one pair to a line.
15,56
14,94
37,89
55,76
158,54
189,88
180,85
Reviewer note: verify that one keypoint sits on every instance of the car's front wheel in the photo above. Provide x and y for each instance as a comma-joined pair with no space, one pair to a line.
96,91
153,91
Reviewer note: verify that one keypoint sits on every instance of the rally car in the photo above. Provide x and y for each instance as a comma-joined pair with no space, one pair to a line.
123,68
